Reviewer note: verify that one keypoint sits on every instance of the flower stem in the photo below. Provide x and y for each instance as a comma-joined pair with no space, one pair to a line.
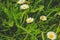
26,36
43,36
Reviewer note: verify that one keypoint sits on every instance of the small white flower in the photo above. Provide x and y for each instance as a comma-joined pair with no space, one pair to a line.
43,18
29,20
21,1
51,35
24,6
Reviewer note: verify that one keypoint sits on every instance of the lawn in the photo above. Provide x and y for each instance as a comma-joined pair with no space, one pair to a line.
29,19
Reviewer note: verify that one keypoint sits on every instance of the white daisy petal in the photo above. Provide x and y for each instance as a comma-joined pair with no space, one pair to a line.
29,20
43,18
24,6
21,1
51,35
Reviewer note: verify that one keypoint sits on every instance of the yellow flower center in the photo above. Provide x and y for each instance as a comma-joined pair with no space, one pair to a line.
30,20
42,18
24,7
51,36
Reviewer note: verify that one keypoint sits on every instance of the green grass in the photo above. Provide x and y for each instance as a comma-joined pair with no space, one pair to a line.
13,24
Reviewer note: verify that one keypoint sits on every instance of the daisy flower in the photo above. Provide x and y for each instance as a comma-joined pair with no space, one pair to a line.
24,6
51,35
43,18
21,1
29,20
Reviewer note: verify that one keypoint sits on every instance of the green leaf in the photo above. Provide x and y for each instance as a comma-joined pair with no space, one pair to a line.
40,8
31,27
33,38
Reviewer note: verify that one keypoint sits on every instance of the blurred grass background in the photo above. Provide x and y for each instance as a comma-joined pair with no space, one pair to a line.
13,24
